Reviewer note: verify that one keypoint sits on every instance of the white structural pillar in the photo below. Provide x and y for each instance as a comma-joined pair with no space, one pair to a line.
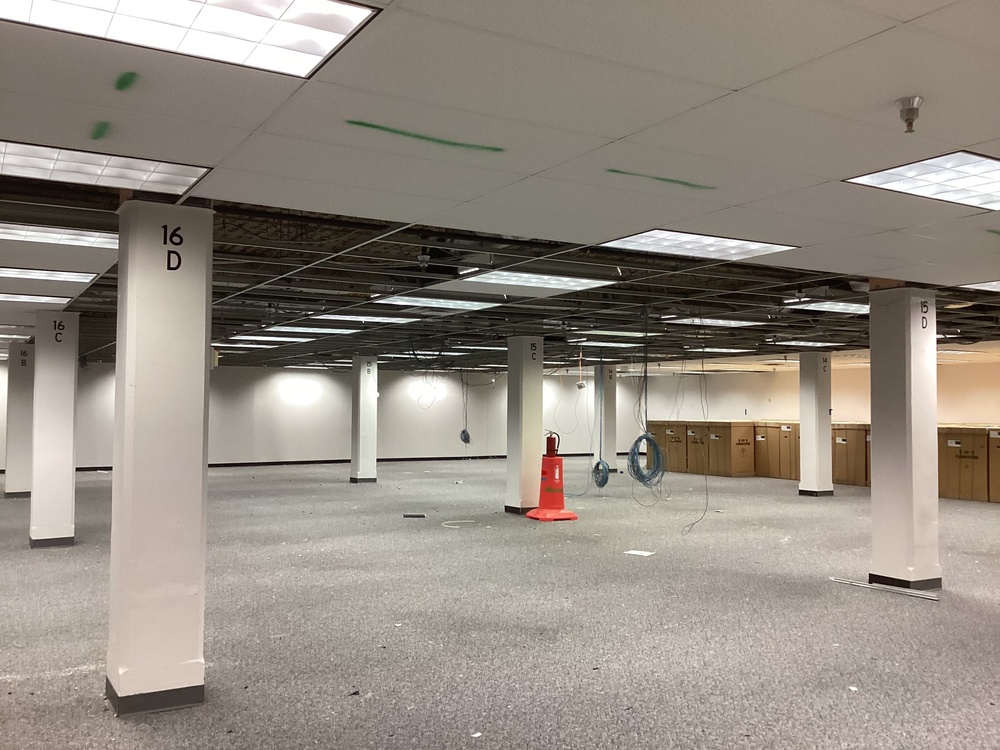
904,439
53,449
20,385
159,490
815,435
606,413
364,420
525,441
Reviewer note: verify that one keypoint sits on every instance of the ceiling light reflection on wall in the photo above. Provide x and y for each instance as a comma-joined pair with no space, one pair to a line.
57,235
283,36
961,177
90,168
695,245
444,304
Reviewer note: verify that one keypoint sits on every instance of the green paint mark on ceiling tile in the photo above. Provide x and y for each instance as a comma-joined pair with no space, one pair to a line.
993,231
100,130
126,80
422,137
682,183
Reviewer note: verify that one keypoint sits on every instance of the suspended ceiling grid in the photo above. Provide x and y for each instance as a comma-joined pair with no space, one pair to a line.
765,108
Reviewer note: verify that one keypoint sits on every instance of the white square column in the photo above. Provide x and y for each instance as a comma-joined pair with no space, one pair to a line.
159,489
525,441
364,420
53,448
815,434
20,386
904,439
606,414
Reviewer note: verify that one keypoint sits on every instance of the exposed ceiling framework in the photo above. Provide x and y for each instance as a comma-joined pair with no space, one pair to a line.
284,268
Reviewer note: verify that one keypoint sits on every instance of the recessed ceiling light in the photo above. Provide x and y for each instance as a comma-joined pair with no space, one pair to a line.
695,245
39,275
959,351
57,236
284,36
624,334
305,329
852,308
714,322
280,339
802,343
986,286
426,353
609,344
14,337
482,348
961,177
231,345
89,168
538,280
374,319
719,350
34,299
445,304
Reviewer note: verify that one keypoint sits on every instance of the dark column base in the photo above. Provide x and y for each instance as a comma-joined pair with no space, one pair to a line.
816,493
927,584
161,700
17,494
518,511
63,541
364,480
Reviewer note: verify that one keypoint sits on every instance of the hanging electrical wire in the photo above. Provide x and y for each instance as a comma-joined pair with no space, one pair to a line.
464,435
648,476
601,471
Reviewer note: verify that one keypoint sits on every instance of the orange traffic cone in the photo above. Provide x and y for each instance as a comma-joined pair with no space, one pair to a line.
551,500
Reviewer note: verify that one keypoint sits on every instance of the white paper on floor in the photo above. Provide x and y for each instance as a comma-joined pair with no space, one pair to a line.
639,552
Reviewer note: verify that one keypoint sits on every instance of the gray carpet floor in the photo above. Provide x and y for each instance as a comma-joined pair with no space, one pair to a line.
334,622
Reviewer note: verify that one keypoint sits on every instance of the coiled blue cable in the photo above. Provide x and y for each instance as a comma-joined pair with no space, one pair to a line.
602,472
652,476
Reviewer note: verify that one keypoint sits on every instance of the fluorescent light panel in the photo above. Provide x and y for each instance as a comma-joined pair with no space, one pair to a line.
231,345
280,339
961,177
609,344
802,343
283,36
482,348
720,350
375,319
537,280
851,308
444,304
305,329
34,299
713,322
623,334
987,286
33,274
57,236
695,245
89,168
14,337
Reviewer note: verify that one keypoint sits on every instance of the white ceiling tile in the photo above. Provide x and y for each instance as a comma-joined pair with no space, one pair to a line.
981,230
863,82
765,226
44,255
901,10
413,56
319,111
719,42
862,206
371,170
972,22
746,128
59,65
829,257
53,122
708,179
305,195
639,211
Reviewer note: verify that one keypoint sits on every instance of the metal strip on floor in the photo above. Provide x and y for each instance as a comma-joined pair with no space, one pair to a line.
891,589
